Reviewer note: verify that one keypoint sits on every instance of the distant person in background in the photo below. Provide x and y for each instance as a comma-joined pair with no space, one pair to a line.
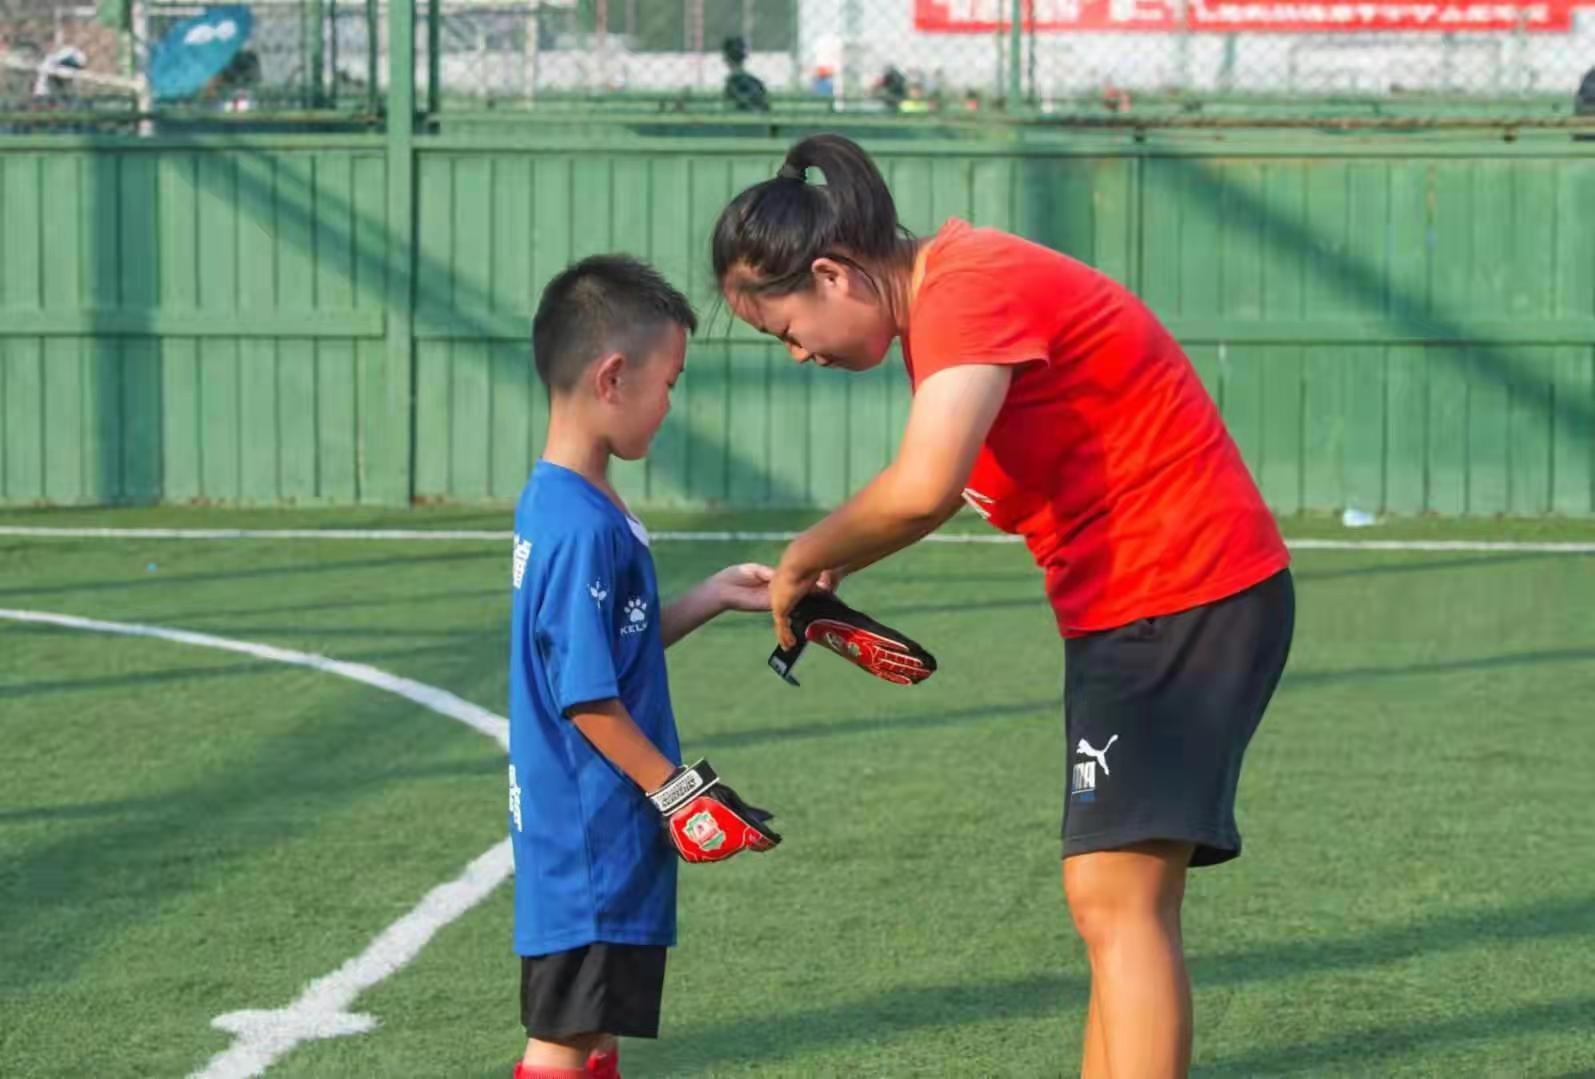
1584,103
55,84
232,90
824,84
743,90
891,89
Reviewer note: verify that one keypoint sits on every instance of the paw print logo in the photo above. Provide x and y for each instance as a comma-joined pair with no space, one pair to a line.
636,611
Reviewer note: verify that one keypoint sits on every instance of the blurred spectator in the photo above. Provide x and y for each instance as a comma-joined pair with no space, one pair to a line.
54,83
233,88
891,88
743,90
1584,100
824,84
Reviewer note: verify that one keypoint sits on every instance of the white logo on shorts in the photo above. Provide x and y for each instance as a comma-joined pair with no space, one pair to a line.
1085,749
1085,779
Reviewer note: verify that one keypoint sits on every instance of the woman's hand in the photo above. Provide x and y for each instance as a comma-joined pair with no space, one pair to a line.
789,585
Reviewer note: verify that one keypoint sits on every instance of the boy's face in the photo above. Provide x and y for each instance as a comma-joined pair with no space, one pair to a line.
640,397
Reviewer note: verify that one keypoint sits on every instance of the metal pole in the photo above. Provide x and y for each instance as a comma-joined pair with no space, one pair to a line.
137,64
601,41
393,471
1016,30
797,45
850,85
373,33
316,50
332,84
434,56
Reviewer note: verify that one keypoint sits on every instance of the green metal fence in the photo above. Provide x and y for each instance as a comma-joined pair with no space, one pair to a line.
87,64
1400,321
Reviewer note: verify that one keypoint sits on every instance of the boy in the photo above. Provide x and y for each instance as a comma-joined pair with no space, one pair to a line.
596,791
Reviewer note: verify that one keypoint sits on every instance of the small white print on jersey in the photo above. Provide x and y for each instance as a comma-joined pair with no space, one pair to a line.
523,551
636,617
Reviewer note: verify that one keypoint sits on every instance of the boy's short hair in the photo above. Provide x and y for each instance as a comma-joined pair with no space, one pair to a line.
602,304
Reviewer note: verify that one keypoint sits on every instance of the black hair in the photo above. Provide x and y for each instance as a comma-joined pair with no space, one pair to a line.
778,227
604,303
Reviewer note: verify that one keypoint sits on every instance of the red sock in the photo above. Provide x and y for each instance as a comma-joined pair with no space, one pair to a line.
539,1071
603,1065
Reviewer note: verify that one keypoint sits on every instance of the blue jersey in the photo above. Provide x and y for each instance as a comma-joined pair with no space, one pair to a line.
592,861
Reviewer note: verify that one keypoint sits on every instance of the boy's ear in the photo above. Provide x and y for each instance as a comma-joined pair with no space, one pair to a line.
607,374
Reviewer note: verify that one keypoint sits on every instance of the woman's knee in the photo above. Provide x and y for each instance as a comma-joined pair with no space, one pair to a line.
1112,892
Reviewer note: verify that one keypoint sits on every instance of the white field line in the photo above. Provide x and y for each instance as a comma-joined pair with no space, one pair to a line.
262,1036
457,535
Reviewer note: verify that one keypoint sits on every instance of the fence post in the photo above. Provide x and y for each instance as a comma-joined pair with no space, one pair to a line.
1016,42
315,28
434,57
391,469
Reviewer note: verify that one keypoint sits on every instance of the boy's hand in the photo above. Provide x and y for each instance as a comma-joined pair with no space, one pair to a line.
706,819
743,588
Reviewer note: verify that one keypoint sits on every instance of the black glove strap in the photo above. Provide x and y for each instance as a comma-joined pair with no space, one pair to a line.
683,786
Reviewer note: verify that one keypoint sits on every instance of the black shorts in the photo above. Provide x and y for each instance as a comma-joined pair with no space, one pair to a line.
1158,714
595,989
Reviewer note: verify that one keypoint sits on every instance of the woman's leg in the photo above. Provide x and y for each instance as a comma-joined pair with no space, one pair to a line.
1126,907
1094,1059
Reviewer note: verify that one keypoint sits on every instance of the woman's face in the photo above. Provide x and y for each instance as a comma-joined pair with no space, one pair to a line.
839,320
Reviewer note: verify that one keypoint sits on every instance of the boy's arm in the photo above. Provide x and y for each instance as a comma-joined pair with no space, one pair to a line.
706,820
735,588
611,730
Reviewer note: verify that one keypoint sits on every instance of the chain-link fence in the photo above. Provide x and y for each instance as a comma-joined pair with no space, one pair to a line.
941,57
70,64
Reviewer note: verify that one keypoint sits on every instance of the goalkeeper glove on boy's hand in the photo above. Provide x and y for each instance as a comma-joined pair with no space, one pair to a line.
856,637
706,820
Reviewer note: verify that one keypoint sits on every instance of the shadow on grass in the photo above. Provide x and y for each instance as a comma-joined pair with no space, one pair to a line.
1417,565
123,808
182,675
1360,1051
1296,680
1064,994
166,580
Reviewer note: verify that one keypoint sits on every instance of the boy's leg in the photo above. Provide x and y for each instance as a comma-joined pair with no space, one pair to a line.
1126,906
604,991
562,1056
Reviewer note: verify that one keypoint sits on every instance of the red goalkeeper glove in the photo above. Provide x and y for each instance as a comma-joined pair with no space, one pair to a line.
856,637
706,819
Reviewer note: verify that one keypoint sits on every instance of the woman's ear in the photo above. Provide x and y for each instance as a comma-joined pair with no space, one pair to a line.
607,375
828,273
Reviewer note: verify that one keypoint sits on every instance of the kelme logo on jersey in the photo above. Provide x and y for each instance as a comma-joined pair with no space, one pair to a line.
704,831
636,617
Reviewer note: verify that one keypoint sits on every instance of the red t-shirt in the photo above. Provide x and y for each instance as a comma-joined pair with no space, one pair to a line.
1108,455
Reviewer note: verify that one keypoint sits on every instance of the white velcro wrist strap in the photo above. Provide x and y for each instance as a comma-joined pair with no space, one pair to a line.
683,787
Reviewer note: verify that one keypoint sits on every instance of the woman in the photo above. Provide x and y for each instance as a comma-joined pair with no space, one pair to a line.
1053,402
